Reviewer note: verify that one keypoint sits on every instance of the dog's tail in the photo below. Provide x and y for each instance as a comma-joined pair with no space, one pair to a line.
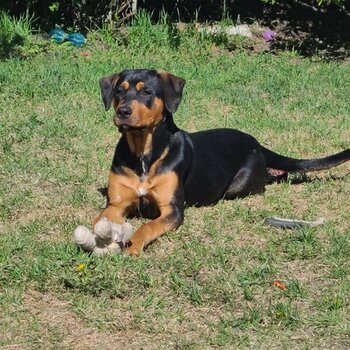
276,161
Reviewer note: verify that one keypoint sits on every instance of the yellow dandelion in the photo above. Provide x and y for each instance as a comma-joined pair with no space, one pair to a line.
80,267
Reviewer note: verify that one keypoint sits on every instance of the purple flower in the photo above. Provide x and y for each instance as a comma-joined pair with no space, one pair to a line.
269,35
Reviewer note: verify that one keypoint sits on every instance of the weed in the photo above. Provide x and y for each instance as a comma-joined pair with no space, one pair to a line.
303,244
144,35
284,313
16,35
332,302
295,290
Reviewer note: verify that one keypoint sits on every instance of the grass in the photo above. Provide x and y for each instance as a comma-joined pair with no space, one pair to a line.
210,284
16,37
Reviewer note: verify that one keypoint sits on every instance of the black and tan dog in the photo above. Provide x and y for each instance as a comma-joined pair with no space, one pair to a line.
157,168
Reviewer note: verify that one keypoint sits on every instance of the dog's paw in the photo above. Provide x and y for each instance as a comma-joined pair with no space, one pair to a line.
134,248
132,251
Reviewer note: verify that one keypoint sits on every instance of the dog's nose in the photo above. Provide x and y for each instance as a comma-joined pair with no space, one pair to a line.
124,112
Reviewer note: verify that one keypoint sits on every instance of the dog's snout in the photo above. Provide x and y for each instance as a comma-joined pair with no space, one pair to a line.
124,112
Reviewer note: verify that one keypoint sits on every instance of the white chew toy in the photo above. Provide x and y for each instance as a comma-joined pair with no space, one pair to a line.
108,238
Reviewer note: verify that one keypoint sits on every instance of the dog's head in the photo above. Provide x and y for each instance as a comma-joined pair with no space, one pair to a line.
141,97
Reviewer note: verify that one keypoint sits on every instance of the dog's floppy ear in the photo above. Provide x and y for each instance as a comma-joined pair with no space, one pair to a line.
172,87
107,85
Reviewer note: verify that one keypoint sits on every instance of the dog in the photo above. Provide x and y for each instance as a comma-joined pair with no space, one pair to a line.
158,169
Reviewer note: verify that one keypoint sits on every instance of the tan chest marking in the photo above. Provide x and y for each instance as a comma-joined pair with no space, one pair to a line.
133,187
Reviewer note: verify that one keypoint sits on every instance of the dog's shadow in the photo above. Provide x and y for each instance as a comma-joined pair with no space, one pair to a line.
103,191
300,178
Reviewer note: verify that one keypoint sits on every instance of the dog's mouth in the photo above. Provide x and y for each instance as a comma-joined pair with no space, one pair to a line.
129,128
127,125
131,124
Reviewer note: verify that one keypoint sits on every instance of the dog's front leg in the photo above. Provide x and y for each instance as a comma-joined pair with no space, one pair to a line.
171,218
121,197
112,213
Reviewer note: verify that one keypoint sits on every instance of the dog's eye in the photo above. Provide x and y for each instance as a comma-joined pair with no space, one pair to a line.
119,92
146,92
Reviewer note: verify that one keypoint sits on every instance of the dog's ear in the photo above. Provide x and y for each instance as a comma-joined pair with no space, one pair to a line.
172,87
107,85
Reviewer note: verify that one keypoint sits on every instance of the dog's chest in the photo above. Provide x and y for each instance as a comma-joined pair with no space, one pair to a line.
143,182
141,191
144,173
148,175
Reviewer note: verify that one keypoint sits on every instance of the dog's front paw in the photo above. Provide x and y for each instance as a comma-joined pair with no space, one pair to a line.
133,248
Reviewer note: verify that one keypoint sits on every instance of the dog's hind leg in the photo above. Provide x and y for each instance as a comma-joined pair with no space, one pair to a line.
250,179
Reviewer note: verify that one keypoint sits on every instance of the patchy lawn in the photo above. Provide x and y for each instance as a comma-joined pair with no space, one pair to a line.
210,284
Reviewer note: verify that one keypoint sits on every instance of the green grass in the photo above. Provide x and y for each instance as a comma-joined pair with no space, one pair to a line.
16,37
210,284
